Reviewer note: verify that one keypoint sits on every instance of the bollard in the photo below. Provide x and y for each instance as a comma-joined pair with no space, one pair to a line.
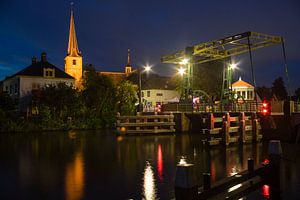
275,153
206,181
186,187
250,165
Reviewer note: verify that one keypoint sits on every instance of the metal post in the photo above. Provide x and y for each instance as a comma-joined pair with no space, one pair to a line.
140,91
252,72
286,68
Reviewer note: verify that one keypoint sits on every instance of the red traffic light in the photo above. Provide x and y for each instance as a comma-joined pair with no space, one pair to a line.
266,110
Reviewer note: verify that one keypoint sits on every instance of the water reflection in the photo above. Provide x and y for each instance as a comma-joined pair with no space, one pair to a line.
74,178
149,189
160,163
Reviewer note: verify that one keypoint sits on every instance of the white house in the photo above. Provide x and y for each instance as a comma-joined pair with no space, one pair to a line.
35,76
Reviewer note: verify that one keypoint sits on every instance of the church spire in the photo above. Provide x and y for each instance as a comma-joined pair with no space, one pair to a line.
73,46
128,57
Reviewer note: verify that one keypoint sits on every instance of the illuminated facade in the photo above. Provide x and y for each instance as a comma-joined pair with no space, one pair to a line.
243,90
73,60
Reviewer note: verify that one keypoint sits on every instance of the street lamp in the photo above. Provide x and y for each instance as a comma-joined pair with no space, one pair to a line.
181,71
147,68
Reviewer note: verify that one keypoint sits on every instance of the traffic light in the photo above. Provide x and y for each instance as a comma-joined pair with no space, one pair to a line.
266,108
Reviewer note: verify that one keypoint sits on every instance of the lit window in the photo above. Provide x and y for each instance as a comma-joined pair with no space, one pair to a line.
49,72
148,93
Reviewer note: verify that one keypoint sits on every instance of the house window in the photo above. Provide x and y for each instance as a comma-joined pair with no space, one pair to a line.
35,86
148,93
159,94
142,94
48,72
74,62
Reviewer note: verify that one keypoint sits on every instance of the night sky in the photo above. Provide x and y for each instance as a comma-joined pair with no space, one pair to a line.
151,29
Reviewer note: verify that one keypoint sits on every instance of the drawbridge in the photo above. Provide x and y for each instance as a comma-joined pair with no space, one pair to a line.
222,49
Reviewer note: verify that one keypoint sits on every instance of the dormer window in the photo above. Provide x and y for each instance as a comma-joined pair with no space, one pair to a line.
74,62
49,72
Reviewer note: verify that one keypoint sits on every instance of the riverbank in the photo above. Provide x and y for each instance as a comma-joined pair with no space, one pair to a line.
22,125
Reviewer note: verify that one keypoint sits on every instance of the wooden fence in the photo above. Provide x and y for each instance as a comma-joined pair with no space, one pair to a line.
145,124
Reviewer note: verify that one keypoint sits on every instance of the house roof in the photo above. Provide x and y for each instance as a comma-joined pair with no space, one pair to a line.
37,69
241,84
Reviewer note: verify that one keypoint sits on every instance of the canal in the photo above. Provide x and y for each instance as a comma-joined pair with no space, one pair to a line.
100,165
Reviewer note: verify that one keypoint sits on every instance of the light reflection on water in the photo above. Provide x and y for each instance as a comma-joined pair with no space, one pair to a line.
149,188
82,165
74,179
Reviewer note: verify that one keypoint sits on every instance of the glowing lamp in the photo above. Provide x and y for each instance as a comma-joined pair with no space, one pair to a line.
184,61
181,71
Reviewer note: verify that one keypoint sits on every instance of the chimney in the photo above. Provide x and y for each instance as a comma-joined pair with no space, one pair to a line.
44,57
33,60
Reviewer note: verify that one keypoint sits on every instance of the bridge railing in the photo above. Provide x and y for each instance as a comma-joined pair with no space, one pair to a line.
276,107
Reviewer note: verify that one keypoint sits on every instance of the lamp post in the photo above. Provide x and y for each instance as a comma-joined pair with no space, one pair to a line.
147,68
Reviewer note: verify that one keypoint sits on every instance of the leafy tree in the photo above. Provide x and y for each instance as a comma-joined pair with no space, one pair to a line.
99,95
264,93
62,100
208,77
6,102
278,89
297,93
126,96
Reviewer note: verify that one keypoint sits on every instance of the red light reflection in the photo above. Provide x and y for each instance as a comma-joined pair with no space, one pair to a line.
160,163
266,191
213,171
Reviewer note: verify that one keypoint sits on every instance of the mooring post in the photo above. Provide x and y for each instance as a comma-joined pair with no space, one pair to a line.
186,187
250,165
226,127
242,128
275,153
206,181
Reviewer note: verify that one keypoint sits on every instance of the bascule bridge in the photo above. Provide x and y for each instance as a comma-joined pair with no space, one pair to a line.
229,120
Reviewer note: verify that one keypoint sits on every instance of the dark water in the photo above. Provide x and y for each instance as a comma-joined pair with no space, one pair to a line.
101,165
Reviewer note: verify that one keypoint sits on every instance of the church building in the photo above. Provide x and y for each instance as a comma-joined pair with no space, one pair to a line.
73,60
119,76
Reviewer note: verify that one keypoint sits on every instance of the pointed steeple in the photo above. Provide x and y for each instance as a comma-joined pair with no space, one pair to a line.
73,46
128,57
128,67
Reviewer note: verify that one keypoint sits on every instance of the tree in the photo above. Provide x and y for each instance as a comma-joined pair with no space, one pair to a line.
297,93
264,93
99,95
278,89
62,100
6,102
126,96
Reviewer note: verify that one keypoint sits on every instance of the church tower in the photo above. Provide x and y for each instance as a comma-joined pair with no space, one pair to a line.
73,60
128,67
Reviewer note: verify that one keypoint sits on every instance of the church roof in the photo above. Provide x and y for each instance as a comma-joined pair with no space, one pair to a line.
241,84
37,69
72,45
